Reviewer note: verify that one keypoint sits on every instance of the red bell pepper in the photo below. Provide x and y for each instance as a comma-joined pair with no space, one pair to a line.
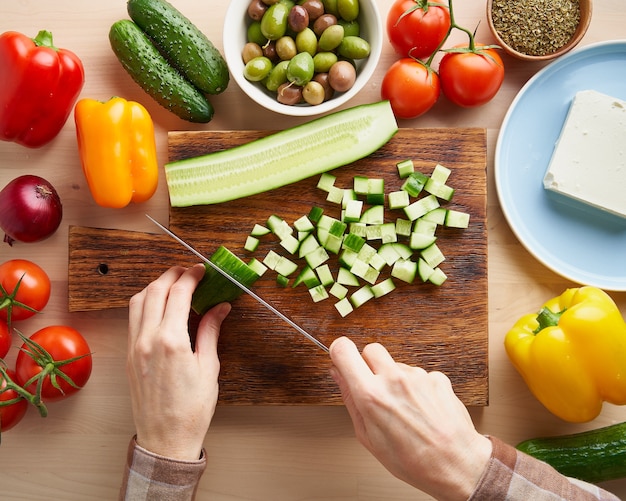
40,84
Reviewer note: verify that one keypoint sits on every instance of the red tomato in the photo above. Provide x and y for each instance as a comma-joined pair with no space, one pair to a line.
5,339
416,27
33,291
471,78
411,88
11,414
62,343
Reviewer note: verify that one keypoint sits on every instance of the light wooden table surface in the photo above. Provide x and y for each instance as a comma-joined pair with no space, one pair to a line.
255,453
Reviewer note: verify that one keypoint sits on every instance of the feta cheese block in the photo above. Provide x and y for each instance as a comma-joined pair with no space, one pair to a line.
589,159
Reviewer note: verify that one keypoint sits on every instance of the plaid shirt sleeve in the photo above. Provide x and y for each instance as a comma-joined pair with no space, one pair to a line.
148,476
513,475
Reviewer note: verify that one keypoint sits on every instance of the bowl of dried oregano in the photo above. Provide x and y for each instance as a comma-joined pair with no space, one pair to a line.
538,30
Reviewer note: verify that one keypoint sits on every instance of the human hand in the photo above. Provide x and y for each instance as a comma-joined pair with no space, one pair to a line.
410,420
173,389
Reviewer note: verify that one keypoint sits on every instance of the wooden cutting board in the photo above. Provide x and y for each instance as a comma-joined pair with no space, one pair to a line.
264,360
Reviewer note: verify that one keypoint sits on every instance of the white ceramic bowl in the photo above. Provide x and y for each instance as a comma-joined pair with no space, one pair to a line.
235,37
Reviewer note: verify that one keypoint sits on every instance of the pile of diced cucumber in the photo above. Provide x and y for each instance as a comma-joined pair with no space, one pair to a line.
363,238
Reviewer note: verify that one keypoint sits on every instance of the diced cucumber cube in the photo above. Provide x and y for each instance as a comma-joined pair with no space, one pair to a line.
398,199
259,230
440,190
318,293
338,228
335,195
405,168
375,186
437,277
425,227
388,253
326,181
404,250
375,199
457,219
282,280
315,214
285,266
366,253
338,290
290,244
433,255
404,227
440,174
346,277
359,268
325,275
377,262
257,266
361,296
251,243
317,257
353,242
384,287
414,184
308,277
374,232
348,195
420,241
271,259
344,307
279,226
437,215
347,258
388,233
359,229
353,211
420,207
405,270
424,269
361,185
303,224
325,221
307,245
373,215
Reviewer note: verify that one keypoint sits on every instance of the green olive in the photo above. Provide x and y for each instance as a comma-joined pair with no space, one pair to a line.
300,69
313,93
286,48
350,28
257,69
306,41
331,38
255,35
277,76
322,61
330,6
348,9
354,47
274,21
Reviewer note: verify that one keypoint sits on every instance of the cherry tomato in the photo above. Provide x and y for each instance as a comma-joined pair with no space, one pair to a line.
411,88
416,27
62,343
5,339
33,291
11,414
471,78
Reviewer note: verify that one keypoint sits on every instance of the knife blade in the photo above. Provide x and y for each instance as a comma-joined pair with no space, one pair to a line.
258,298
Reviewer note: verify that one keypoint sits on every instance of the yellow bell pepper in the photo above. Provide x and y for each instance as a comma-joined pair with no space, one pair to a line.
572,354
117,150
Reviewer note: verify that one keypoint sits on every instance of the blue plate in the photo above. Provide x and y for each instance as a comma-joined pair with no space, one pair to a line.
582,244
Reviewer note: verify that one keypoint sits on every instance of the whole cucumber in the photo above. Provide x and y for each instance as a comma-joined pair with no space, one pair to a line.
593,456
145,64
182,43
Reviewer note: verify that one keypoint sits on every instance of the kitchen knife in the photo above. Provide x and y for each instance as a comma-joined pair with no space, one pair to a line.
240,285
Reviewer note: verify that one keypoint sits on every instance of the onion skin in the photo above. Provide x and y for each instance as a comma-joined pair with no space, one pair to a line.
30,209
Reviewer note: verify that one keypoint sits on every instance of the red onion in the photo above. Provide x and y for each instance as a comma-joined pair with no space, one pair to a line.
30,209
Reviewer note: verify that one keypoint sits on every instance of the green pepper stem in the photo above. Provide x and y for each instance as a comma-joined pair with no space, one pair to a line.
547,318
44,39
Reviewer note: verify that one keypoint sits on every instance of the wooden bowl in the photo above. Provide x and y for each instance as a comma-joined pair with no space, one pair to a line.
585,18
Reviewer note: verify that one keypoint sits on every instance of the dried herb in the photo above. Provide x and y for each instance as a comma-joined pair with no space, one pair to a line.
536,27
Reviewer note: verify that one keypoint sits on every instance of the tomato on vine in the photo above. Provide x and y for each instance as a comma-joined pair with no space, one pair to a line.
54,363
24,289
411,87
5,338
12,406
416,28
471,76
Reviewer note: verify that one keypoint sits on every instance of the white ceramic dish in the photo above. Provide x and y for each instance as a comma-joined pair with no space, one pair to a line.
235,37
582,244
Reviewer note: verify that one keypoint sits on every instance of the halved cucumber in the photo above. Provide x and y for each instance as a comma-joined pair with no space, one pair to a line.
282,158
